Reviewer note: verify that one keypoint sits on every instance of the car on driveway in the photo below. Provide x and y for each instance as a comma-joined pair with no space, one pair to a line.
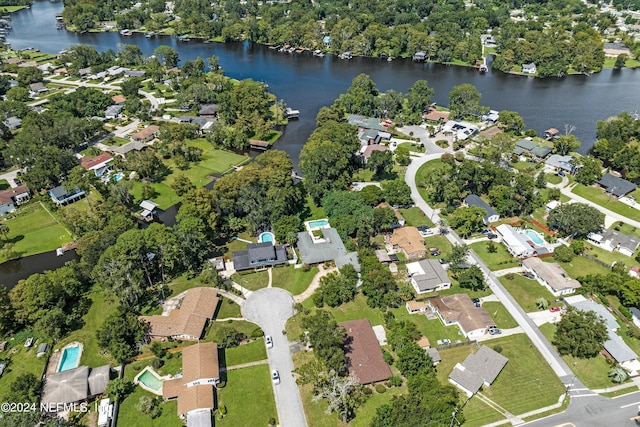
268,341
442,261
275,377
554,309
495,331
529,275
491,235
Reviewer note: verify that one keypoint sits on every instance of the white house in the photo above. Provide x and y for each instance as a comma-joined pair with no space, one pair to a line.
516,243
461,129
552,276
428,276
529,68
612,240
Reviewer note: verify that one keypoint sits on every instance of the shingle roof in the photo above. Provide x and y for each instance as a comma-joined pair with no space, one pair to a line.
541,151
196,397
459,308
474,200
466,379
583,304
200,361
363,353
526,144
94,162
146,132
551,273
258,255
429,274
624,240
618,349
314,253
479,368
98,380
408,239
66,386
616,186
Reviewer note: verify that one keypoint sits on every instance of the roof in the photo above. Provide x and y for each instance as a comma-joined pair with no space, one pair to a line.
583,304
196,397
474,200
258,255
61,193
616,186
6,196
466,379
434,354
541,151
459,308
526,144
98,380
129,146
620,239
91,163
148,205
200,361
528,66
42,348
198,305
368,151
349,258
427,274
416,305
552,131
516,241
208,109
618,349
434,115
113,110
146,132
363,353
551,273
423,342
408,239
199,419
329,248
13,122
382,255
560,162
486,363
118,99
66,386
37,86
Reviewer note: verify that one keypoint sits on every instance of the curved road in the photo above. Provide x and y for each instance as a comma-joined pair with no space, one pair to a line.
270,308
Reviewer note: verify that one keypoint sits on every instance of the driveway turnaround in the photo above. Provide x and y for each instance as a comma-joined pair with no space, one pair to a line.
270,308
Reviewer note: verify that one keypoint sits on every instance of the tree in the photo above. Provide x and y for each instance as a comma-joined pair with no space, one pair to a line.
620,60
7,317
182,184
18,94
336,289
167,56
412,359
150,406
361,97
372,195
563,254
464,100
403,156
575,219
120,335
492,248
4,230
630,292
28,75
119,389
418,98
590,170
580,333
459,254
564,144
471,278
542,304
467,220
131,86
25,388
397,193
227,337
511,120
327,339
618,374
380,163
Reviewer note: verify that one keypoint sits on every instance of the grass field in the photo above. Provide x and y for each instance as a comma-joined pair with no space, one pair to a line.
499,260
11,9
553,178
422,173
415,217
499,313
33,230
227,308
434,330
239,325
580,266
249,352
526,291
248,397
252,281
598,196
609,257
23,361
292,279
129,415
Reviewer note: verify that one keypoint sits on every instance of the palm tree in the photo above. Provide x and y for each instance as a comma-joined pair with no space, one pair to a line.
4,230
618,374
542,304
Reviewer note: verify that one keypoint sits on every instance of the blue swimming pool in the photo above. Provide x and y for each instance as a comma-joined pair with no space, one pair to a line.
70,358
318,223
535,237
266,237
117,177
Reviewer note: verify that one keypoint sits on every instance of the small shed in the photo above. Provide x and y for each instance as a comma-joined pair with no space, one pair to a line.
42,349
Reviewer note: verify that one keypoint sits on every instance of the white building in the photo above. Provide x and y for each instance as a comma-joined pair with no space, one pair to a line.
552,276
428,276
516,243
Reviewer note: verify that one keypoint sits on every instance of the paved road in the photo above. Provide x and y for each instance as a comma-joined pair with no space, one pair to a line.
270,308
556,363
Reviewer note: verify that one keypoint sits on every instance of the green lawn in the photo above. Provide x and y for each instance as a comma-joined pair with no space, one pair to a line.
477,413
440,242
311,211
249,352
498,260
597,195
248,397
128,415
434,329
239,325
580,266
500,315
292,279
422,173
627,228
33,230
412,146
11,9
415,217
227,308
252,281
23,361
526,291
553,178
609,257
629,63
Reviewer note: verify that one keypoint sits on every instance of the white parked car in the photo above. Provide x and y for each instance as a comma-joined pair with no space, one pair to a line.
275,377
268,341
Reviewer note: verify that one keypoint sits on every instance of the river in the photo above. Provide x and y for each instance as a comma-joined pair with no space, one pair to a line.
307,83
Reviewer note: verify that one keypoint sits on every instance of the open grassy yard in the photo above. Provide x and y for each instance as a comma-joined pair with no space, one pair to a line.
245,353
477,413
239,325
526,291
129,415
248,397
499,313
292,279
415,217
610,257
499,260
311,211
553,178
434,329
252,281
580,266
440,242
422,174
23,361
33,230
227,308
597,195
11,9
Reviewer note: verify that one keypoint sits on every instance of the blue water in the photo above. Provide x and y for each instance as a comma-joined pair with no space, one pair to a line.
535,238
117,177
318,223
70,358
150,380
266,237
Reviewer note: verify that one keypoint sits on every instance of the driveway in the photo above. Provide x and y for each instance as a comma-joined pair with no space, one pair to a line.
270,308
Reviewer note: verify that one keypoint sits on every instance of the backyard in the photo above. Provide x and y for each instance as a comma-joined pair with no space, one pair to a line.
525,291
294,280
415,217
498,260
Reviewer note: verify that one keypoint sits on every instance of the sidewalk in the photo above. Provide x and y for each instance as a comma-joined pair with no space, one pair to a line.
315,283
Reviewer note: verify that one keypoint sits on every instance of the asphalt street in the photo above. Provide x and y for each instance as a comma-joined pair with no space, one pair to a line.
270,308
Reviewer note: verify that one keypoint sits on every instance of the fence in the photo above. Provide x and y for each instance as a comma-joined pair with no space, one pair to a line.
458,344
592,258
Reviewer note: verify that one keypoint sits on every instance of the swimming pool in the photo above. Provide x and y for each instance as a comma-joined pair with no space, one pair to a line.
535,237
266,237
70,358
118,176
318,223
147,378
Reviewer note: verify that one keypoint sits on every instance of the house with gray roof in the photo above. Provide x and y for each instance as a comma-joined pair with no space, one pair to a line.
259,255
474,200
612,240
617,186
583,304
75,385
526,145
556,162
316,250
61,196
428,275
517,244
552,276
13,122
541,151
478,369
616,349
113,111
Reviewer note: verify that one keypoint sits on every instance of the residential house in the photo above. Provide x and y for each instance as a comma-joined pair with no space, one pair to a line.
112,112
36,89
386,258
259,255
540,152
428,275
491,214
517,244
134,73
612,240
529,68
99,164
552,205
409,241
116,70
148,209
74,385
13,197
123,150
14,61
584,304
145,135
552,276
369,136
459,310
434,116
363,122
478,369
461,129
556,163
416,307
612,50
617,186
118,99
208,110
13,123
61,196
194,388
187,322
367,150
524,146
491,116
316,250
363,353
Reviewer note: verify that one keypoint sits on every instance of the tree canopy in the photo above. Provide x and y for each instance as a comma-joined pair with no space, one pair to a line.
575,219
580,333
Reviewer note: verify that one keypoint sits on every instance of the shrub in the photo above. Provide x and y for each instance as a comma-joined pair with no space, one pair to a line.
257,333
509,276
388,358
367,391
272,421
380,389
305,267
157,363
395,381
157,350
497,349
442,143
223,409
221,384
625,312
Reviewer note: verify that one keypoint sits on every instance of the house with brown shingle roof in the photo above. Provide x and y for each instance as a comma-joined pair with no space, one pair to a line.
118,99
145,135
363,353
409,241
200,373
187,322
458,309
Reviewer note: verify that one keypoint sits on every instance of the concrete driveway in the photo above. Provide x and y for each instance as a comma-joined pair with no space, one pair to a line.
270,308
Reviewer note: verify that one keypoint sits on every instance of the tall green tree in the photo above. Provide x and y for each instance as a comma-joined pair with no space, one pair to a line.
580,334
575,219
464,101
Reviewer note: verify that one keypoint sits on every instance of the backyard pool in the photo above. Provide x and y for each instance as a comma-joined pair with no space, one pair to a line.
149,380
70,358
535,237
317,223
266,237
118,176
